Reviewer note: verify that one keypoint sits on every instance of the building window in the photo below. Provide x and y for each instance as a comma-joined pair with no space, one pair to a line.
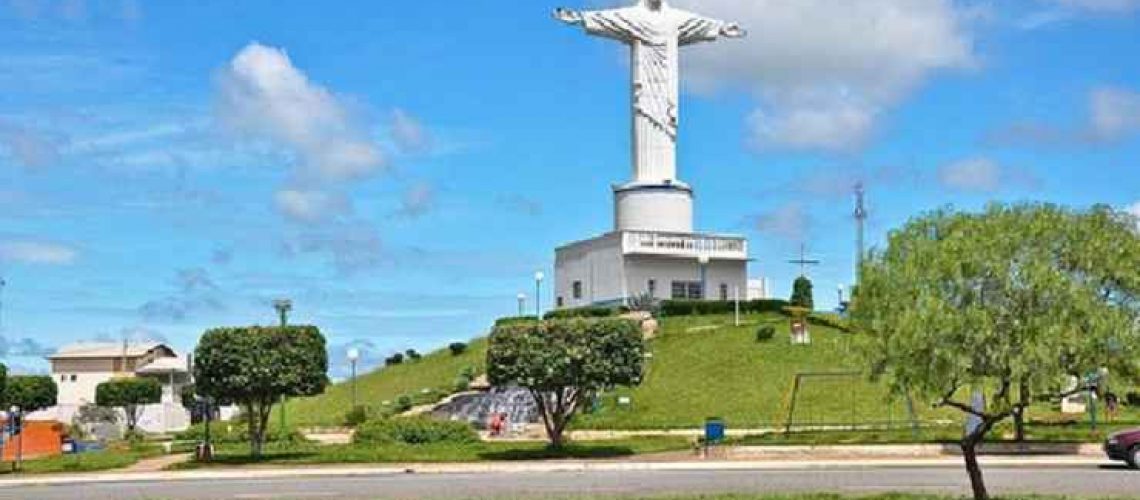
558,302
680,290
653,289
63,378
691,290
723,291
577,290
73,377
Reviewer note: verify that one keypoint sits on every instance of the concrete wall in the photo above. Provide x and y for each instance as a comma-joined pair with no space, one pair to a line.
663,208
666,270
597,264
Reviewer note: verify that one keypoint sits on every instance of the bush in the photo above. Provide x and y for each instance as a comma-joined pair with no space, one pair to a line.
765,333
355,417
457,348
830,321
416,430
394,359
706,307
1132,398
412,355
583,312
403,403
514,320
237,432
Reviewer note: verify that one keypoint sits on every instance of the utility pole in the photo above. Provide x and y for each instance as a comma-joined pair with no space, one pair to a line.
283,306
860,223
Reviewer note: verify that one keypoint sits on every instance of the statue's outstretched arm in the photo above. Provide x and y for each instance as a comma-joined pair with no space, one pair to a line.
696,29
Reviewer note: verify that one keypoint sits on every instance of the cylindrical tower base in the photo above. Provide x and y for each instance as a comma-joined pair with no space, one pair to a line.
666,207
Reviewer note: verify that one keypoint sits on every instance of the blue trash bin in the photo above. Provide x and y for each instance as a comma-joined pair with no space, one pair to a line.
714,430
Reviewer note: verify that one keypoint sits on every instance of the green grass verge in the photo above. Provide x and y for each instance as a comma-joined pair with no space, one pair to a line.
803,496
705,366
435,371
116,456
308,453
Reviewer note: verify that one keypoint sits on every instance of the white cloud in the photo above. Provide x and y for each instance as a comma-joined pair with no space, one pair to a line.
263,95
825,71
790,221
1134,209
37,252
418,201
30,148
984,175
1114,112
409,134
311,206
1098,6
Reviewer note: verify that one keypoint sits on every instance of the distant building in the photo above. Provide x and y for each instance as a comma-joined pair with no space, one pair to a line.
79,368
759,289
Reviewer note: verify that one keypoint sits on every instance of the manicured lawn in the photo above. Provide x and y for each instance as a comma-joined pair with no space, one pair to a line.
704,366
436,371
308,453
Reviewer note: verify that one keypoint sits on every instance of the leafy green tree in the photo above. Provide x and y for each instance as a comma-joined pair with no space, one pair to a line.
563,363
130,394
30,392
1006,304
256,366
802,293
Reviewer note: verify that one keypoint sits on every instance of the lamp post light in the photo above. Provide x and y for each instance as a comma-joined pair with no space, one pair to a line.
840,296
16,423
283,306
538,277
353,356
522,303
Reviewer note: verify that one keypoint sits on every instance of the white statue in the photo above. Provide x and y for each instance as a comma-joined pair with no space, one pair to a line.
654,31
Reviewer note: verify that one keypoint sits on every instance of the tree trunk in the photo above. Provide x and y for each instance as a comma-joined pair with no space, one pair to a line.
254,450
977,482
1019,424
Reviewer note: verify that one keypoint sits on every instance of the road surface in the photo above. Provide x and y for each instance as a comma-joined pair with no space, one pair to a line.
1093,480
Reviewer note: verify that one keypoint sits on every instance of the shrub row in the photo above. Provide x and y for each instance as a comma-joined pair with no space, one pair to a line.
583,312
830,320
514,320
237,432
415,430
704,307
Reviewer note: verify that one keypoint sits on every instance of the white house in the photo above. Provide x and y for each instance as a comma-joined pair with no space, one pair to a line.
79,368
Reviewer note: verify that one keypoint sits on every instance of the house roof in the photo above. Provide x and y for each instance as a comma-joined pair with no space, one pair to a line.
175,364
105,350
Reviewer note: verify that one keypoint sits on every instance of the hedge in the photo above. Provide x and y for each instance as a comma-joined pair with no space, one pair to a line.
514,320
414,430
706,307
583,312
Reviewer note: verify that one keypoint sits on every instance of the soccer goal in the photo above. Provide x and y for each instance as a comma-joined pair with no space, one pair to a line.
820,401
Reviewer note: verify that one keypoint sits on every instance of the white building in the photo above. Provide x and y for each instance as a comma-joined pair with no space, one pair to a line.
79,368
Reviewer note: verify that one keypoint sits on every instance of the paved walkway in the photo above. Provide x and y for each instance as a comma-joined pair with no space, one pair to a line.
156,464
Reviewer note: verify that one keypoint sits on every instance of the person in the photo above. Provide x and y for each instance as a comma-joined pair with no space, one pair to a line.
496,426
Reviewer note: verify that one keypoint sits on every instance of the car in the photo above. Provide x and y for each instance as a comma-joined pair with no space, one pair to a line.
1124,446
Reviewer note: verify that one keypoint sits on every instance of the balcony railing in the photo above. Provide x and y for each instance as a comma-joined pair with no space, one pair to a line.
684,245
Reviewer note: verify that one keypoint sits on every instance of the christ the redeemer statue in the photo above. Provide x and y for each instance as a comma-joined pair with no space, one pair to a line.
655,32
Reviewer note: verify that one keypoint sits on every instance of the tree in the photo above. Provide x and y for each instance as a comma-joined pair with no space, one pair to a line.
1005,304
565,362
130,394
31,393
802,293
256,366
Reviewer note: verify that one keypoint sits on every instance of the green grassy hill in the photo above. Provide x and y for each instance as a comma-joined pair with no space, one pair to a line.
703,366
435,371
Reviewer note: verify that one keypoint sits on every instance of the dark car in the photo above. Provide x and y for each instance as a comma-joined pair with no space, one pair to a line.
1124,446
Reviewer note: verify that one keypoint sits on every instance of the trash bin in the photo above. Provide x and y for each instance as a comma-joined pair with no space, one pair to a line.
714,430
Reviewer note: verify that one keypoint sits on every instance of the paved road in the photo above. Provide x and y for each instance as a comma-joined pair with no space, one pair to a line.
1101,481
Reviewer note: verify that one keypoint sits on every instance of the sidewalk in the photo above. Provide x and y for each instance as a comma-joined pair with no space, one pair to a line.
568,466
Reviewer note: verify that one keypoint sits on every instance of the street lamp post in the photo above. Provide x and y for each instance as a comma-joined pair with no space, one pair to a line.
538,277
16,421
703,260
283,306
522,303
353,356
840,297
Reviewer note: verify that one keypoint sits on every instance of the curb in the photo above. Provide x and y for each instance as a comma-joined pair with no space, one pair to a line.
543,467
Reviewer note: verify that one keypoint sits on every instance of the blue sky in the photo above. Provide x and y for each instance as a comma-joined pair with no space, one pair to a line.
400,169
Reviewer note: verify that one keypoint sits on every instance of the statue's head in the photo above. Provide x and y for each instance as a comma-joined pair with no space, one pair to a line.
653,4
